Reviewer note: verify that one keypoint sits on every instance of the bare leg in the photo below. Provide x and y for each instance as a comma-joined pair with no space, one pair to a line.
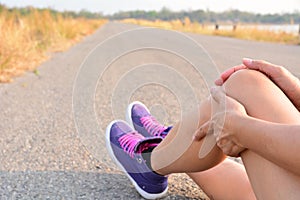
179,153
222,181
268,180
219,182
261,98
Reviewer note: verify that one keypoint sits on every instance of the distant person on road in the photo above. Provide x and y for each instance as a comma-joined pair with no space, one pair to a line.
260,123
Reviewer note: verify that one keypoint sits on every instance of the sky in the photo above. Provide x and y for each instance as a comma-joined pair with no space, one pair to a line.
112,6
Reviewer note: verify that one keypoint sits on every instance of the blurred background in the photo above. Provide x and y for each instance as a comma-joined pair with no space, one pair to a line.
43,45
40,27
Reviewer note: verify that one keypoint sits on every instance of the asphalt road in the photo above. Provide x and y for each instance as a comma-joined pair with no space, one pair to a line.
42,155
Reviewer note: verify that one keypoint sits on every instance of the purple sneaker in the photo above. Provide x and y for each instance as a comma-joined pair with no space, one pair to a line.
139,117
125,146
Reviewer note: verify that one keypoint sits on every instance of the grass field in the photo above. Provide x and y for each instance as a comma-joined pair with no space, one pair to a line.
242,32
27,40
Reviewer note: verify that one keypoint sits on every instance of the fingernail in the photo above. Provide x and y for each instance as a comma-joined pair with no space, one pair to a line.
213,90
194,137
247,61
219,81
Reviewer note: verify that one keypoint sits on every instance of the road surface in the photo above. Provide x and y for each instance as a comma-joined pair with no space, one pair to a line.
42,156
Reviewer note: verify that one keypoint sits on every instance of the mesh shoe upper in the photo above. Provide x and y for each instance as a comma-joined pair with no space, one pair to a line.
125,147
140,118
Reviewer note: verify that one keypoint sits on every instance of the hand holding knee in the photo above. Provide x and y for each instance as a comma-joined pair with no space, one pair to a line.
284,79
225,114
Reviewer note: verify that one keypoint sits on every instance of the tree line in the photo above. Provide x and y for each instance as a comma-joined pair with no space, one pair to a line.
203,16
200,16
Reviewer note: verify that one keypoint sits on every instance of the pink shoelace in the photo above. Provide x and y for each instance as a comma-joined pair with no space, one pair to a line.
152,125
129,141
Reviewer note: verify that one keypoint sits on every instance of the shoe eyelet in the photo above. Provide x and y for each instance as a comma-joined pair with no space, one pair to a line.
139,160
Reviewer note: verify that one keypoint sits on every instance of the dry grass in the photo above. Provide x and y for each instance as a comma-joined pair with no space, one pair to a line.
242,32
27,40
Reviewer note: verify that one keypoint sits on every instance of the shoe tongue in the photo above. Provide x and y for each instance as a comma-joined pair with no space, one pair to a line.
166,131
145,143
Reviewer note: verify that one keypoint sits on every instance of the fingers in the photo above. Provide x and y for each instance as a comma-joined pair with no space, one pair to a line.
202,131
265,67
229,148
227,73
208,128
218,94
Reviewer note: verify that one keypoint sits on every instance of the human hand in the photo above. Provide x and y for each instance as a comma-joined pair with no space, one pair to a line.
225,115
287,82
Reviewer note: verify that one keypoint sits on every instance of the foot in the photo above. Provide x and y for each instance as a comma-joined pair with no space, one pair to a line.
126,146
139,117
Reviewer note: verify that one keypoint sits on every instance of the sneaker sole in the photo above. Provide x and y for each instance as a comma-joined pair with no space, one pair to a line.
128,113
144,194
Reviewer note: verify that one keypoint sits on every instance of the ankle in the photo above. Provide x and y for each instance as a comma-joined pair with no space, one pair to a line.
147,157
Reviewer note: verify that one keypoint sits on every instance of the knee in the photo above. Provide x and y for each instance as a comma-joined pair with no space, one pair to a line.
246,76
244,80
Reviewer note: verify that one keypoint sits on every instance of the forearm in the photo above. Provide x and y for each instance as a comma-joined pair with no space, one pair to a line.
294,94
277,143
